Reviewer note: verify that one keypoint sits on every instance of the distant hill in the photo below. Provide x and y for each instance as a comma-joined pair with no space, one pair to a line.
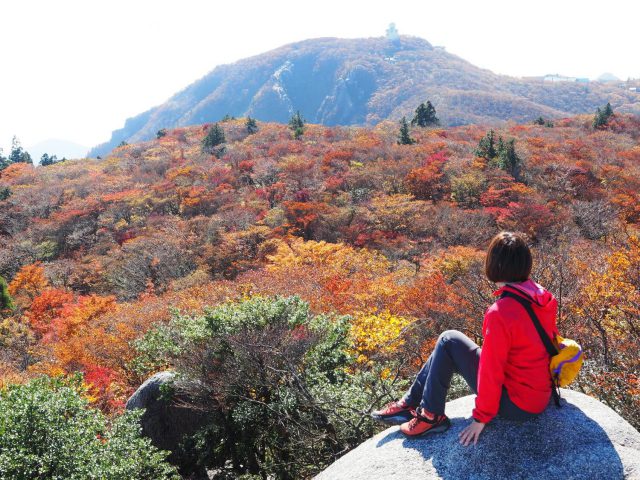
361,82
59,148
608,77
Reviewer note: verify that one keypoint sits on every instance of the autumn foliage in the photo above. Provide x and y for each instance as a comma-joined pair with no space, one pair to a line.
96,253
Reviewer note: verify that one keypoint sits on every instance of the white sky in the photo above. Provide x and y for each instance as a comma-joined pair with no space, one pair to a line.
76,69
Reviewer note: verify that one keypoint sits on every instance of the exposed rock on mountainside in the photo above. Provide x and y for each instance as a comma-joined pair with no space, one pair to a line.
363,81
168,424
584,439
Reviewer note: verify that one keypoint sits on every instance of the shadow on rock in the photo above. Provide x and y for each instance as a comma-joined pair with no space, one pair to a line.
560,443
584,439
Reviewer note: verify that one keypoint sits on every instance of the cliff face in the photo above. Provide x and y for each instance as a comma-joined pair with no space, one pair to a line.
361,82
583,439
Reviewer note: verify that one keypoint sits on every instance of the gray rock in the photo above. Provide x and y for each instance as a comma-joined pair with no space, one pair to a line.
168,424
582,440
148,392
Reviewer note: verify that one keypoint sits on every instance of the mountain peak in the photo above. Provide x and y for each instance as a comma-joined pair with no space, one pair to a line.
361,81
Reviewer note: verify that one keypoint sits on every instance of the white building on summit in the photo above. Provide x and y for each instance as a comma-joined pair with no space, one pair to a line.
392,33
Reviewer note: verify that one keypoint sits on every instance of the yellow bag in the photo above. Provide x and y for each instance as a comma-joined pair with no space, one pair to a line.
566,364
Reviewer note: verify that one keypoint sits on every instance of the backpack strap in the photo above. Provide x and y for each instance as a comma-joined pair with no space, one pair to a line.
551,349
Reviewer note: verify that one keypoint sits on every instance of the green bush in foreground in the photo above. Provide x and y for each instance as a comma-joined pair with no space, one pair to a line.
279,384
48,431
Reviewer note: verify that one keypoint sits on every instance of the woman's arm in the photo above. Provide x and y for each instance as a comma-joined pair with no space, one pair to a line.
493,359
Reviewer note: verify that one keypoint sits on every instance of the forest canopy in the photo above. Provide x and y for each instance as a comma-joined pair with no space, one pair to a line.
360,240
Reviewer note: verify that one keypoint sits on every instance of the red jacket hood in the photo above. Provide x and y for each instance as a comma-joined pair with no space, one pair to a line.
530,289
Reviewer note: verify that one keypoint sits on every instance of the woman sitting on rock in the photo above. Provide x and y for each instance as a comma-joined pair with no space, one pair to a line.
509,374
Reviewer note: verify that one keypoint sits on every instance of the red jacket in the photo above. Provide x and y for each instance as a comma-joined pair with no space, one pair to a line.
513,354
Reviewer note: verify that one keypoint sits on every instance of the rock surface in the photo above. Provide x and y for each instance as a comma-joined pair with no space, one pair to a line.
168,424
582,440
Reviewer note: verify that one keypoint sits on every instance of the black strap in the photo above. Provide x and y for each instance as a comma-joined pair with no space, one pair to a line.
551,349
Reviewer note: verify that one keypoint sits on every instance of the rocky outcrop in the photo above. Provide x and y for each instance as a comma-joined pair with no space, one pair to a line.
582,440
168,423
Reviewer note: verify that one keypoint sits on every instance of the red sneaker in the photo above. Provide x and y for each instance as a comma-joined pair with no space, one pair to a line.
425,422
394,413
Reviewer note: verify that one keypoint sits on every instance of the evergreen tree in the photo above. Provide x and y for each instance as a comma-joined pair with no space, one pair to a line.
47,159
123,143
508,158
425,115
500,149
161,133
542,122
608,111
213,141
405,138
4,161
296,124
6,303
602,116
487,146
18,154
252,126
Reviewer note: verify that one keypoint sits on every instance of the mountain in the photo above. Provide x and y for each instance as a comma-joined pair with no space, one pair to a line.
608,77
361,82
59,148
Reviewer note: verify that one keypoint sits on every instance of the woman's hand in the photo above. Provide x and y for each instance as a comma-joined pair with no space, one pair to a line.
471,433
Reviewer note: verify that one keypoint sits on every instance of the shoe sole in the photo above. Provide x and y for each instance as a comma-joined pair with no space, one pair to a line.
393,420
443,427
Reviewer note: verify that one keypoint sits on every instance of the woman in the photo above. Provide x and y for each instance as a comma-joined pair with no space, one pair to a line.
509,374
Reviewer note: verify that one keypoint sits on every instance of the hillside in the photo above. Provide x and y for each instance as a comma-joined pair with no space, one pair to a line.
361,82
325,268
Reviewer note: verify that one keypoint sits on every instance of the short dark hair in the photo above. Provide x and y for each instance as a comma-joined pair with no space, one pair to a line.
508,258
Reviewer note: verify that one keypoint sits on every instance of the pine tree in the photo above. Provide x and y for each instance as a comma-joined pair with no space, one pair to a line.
602,116
425,115
487,146
252,126
18,154
47,159
4,161
405,138
500,149
608,111
161,133
6,303
296,124
5,192
598,119
539,121
508,159
213,141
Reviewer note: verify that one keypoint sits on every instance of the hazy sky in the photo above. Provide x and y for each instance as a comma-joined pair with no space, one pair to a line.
77,69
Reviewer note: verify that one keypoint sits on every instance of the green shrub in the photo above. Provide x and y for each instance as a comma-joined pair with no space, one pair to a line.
281,388
48,431
6,302
467,189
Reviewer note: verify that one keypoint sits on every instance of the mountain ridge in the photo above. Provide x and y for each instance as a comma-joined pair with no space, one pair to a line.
362,81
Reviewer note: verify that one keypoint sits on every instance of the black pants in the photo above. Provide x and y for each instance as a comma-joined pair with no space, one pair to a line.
454,353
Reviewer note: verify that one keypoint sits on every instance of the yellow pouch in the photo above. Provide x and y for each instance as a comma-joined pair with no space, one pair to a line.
566,364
